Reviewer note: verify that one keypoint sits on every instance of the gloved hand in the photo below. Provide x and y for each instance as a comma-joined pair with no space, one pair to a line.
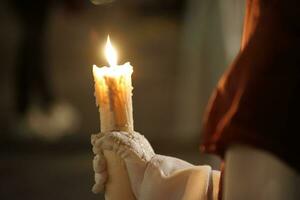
151,176
133,148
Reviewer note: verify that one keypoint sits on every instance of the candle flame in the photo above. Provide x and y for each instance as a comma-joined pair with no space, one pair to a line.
110,53
115,70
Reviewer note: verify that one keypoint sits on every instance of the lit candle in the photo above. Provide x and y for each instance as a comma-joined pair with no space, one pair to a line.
113,91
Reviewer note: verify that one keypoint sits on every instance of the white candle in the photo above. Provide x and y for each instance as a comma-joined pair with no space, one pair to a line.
113,95
113,91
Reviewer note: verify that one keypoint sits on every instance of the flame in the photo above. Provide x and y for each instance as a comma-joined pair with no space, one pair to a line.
114,71
110,53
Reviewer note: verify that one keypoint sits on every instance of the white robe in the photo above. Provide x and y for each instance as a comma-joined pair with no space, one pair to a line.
249,174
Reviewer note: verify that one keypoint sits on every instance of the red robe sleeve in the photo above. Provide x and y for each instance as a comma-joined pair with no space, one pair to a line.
257,100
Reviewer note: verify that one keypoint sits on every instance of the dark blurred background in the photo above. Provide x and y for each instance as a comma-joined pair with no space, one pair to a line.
178,48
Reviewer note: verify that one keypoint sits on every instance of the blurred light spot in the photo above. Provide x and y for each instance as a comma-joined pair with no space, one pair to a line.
101,2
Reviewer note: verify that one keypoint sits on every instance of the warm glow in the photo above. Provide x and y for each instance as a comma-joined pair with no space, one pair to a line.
114,70
110,53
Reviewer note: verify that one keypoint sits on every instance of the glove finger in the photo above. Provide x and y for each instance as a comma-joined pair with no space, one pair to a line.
123,151
128,145
99,163
107,142
110,142
97,188
95,137
100,180
97,149
117,142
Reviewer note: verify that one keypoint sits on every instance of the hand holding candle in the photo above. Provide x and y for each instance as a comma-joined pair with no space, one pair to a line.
113,91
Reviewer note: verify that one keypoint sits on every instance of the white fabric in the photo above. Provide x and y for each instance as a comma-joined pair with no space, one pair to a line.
255,174
171,178
153,176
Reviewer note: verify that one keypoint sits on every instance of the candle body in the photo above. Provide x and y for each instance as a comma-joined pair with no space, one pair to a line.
113,91
114,97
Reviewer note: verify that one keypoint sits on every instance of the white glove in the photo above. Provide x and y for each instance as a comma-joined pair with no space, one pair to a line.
152,176
133,148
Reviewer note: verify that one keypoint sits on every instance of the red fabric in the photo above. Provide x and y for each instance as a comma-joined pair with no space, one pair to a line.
257,101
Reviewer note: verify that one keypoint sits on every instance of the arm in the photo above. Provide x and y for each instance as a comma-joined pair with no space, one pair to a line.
153,176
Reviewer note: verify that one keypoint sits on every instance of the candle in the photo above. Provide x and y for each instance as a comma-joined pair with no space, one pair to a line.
113,91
